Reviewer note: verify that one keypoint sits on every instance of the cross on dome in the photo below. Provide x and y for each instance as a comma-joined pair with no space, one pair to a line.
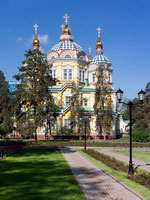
90,50
66,18
99,31
36,29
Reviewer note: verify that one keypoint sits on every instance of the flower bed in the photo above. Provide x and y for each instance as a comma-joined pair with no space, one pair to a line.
7,150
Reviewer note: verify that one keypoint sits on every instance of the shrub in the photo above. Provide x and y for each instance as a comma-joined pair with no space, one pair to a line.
140,136
141,178
3,130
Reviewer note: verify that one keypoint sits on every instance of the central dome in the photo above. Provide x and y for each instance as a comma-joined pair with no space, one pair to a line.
66,44
99,59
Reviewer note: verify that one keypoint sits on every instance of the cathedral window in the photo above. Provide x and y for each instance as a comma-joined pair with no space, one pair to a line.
67,100
93,77
53,124
70,74
82,75
67,74
85,102
81,58
54,99
109,77
67,56
66,123
53,57
54,73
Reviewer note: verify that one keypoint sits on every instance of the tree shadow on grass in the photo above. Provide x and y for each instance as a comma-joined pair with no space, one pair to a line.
37,174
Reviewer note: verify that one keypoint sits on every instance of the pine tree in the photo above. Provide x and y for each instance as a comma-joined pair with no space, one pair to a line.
5,106
103,101
34,102
77,111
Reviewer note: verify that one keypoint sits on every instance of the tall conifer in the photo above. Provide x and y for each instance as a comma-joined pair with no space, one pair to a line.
103,101
5,106
34,102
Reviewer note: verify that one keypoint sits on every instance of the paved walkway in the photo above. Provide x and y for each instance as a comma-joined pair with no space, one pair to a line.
140,164
94,182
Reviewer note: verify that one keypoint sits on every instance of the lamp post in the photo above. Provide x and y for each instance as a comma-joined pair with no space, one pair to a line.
130,104
85,123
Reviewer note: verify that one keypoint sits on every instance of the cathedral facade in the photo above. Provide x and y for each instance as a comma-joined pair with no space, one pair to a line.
74,70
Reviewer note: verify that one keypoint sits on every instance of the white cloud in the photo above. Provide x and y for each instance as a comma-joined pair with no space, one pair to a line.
19,39
43,39
41,49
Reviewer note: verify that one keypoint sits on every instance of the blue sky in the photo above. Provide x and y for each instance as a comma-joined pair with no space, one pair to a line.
125,34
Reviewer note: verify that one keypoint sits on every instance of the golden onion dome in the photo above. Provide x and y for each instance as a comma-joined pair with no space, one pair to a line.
67,30
99,43
90,60
36,41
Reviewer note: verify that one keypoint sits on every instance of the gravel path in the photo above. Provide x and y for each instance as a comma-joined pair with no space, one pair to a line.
95,183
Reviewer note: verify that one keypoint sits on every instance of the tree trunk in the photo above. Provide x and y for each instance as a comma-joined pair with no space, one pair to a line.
36,136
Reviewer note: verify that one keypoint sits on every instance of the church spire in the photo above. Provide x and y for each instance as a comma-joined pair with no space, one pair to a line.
66,32
36,42
66,19
66,29
99,44
90,54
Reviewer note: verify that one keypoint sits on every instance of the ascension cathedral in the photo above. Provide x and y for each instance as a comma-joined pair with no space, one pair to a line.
72,67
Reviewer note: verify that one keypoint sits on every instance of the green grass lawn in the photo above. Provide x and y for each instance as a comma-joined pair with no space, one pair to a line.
122,176
140,155
37,174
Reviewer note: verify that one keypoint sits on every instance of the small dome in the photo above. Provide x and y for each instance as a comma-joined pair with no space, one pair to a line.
36,41
66,44
100,58
99,43
66,30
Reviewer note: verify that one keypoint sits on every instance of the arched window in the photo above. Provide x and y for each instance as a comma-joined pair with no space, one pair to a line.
81,57
67,56
53,57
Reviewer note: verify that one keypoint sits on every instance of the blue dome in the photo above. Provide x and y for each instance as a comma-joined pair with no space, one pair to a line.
66,44
100,58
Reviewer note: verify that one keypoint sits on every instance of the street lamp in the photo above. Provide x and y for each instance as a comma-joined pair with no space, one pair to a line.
130,104
85,123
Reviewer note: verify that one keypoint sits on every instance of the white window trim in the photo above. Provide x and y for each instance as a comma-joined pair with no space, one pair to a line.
86,102
81,72
93,77
67,67
66,118
67,95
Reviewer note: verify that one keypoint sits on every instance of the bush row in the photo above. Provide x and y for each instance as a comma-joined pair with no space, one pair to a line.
107,160
141,178
71,143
